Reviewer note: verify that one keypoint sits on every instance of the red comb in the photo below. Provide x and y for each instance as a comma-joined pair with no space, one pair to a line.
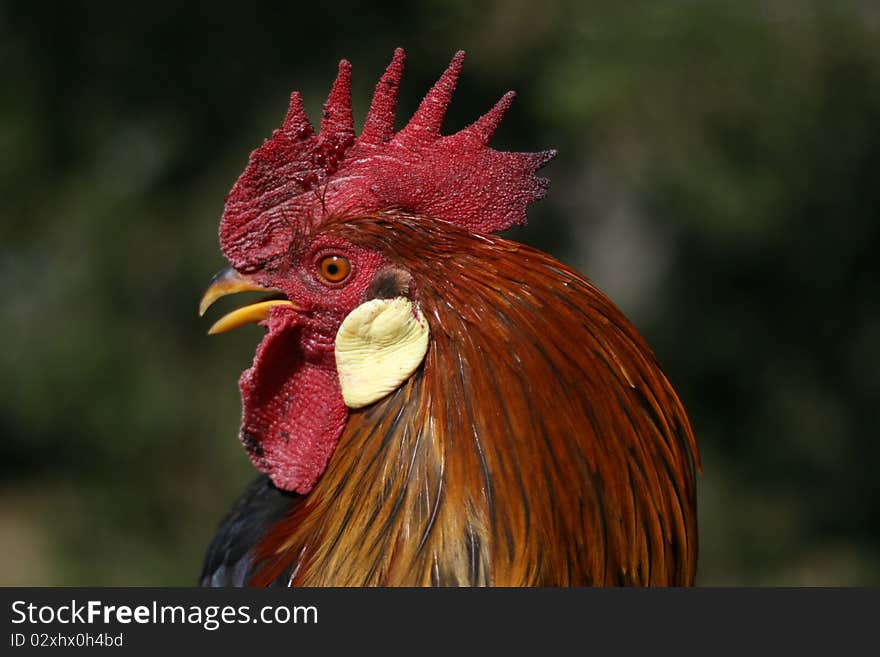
297,178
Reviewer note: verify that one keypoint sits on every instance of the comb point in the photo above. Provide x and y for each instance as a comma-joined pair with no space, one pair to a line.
379,124
336,117
484,127
428,118
296,121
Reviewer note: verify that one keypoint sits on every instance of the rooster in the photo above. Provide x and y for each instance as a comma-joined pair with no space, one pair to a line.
433,404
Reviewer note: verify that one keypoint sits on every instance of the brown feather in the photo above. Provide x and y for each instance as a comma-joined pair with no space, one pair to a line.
540,443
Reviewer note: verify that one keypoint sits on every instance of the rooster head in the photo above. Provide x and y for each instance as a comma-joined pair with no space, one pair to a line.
344,317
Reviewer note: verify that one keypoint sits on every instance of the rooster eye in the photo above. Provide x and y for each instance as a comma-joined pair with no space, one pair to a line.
334,269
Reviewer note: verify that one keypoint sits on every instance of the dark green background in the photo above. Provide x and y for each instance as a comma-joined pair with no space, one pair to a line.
717,176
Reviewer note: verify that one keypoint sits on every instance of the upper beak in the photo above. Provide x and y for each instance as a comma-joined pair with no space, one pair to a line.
229,281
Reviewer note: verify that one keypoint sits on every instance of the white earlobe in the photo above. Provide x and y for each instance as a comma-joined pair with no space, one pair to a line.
378,347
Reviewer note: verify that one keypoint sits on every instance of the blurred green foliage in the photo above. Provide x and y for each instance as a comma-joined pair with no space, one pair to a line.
718,177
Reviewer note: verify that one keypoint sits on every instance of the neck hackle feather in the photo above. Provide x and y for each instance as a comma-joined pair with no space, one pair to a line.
540,444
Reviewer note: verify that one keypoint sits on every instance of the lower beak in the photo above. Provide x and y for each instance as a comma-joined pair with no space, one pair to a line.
229,281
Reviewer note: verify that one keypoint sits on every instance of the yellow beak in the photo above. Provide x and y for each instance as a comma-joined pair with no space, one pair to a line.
229,281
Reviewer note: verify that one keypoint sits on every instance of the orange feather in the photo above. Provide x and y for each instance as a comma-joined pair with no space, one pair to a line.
539,443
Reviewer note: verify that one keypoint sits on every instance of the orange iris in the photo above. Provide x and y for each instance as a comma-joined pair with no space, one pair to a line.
334,269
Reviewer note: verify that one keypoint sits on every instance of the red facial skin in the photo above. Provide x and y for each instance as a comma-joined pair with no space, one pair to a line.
293,412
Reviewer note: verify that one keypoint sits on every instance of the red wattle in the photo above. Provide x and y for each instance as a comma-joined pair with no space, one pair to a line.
293,412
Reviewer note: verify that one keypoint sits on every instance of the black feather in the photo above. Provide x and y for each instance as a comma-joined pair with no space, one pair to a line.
228,561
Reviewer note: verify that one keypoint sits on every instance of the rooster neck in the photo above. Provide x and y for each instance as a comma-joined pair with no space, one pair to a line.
385,512
540,443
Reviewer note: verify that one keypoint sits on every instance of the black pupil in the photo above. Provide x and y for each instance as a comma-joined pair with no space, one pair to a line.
332,269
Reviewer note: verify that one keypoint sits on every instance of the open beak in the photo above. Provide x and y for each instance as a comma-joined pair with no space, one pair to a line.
229,281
